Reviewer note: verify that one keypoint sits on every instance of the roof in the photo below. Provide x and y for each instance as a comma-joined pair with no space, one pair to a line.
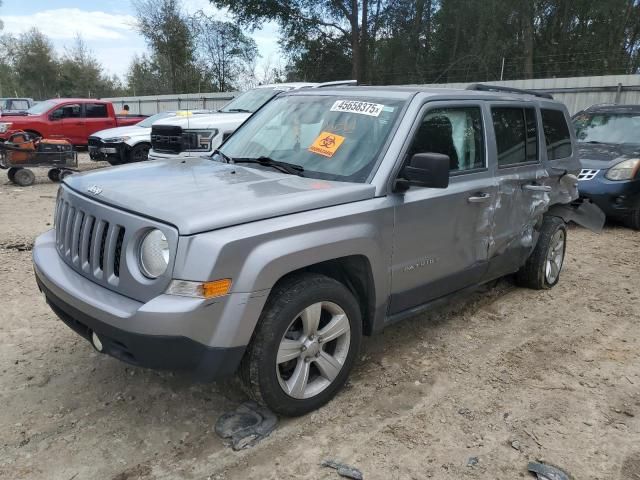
613,108
403,92
79,100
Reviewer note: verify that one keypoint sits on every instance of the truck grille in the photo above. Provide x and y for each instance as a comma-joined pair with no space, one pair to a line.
166,138
90,244
587,174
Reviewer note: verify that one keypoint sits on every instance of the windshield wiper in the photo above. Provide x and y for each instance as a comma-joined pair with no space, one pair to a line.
290,168
239,110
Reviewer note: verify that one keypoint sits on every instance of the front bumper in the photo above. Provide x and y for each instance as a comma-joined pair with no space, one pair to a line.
99,150
615,198
207,338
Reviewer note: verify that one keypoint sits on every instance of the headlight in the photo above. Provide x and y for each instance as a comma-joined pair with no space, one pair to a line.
198,140
116,139
154,254
625,170
5,126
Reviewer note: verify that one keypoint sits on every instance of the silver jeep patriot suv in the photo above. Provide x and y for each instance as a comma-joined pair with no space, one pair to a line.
328,215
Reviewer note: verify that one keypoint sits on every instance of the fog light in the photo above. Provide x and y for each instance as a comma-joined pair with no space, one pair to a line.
619,200
96,341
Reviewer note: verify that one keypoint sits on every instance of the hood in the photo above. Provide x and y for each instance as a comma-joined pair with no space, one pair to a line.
128,131
198,195
599,156
215,120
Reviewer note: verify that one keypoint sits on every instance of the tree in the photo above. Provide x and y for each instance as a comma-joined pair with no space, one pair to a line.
167,32
313,19
223,50
36,65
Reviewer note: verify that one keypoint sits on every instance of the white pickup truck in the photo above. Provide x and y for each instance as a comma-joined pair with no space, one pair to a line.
195,136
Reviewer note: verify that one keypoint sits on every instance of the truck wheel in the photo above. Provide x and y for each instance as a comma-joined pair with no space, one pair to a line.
543,266
24,177
304,346
634,219
54,174
139,153
12,173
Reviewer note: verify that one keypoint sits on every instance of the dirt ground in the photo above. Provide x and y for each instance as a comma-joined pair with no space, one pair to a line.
501,378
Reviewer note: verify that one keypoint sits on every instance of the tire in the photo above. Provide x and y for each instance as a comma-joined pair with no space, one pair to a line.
64,174
24,177
54,174
633,221
12,173
544,265
292,301
139,153
34,135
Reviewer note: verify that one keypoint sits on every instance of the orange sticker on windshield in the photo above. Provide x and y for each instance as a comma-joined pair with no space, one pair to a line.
326,144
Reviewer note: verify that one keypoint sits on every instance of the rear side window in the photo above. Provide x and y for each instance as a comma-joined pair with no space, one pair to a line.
556,134
455,132
516,135
96,110
18,105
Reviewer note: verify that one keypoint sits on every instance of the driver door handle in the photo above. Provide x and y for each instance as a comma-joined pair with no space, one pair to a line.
537,188
479,198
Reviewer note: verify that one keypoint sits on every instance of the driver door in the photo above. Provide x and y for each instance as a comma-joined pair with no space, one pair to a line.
68,123
441,235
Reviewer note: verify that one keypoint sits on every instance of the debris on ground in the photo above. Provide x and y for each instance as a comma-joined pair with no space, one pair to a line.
343,470
547,472
473,461
247,425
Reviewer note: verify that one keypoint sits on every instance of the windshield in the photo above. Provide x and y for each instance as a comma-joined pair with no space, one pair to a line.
252,100
608,127
41,107
147,122
333,138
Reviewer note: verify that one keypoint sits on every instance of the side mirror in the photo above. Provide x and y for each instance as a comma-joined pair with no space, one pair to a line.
427,170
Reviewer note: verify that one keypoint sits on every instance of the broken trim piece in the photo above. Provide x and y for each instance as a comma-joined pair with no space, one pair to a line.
582,212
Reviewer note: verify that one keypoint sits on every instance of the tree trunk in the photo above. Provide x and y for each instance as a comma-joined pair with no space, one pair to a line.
356,59
527,19
364,41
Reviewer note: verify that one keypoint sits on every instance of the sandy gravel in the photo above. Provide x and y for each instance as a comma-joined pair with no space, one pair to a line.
505,376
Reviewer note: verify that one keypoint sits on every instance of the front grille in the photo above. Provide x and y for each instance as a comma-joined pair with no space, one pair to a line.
166,138
94,142
587,174
91,245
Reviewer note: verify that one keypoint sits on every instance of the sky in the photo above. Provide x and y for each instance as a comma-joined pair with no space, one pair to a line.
107,27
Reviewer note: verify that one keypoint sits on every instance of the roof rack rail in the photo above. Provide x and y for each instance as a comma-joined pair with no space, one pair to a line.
337,83
498,88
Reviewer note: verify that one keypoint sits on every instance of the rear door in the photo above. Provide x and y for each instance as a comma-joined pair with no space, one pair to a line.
441,235
96,118
523,185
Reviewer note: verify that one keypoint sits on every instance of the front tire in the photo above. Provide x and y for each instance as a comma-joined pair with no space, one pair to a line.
633,221
543,267
139,153
304,346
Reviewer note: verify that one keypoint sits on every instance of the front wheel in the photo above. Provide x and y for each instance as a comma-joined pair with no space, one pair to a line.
634,219
305,344
542,270
139,153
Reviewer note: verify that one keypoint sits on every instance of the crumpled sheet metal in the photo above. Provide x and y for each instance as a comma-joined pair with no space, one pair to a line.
344,470
547,472
247,425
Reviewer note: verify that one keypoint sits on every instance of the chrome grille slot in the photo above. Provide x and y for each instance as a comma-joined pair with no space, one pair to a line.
83,241
68,226
587,174
103,243
118,252
97,240
75,237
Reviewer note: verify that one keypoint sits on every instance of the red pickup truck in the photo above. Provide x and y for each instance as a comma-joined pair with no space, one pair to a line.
72,118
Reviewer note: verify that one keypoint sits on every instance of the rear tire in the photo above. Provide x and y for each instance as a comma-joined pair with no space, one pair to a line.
543,267
24,177
310,329
633,221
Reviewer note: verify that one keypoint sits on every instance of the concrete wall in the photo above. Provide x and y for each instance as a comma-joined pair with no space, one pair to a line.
576,92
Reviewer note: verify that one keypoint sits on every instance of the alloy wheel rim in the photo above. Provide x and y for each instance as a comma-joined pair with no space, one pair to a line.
313,350
555,257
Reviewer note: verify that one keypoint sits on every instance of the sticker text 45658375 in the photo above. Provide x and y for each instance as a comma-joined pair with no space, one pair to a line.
353,106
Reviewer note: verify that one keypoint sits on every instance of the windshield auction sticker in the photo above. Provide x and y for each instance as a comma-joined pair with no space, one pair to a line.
362,108
326,144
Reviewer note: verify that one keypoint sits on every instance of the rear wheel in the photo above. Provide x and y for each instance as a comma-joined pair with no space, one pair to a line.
543,266
54,174
24,177
304,346
633,221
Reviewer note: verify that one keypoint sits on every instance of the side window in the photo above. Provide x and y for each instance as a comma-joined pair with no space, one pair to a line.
95,110
68,111
556,134
456,132
18,105
516,135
